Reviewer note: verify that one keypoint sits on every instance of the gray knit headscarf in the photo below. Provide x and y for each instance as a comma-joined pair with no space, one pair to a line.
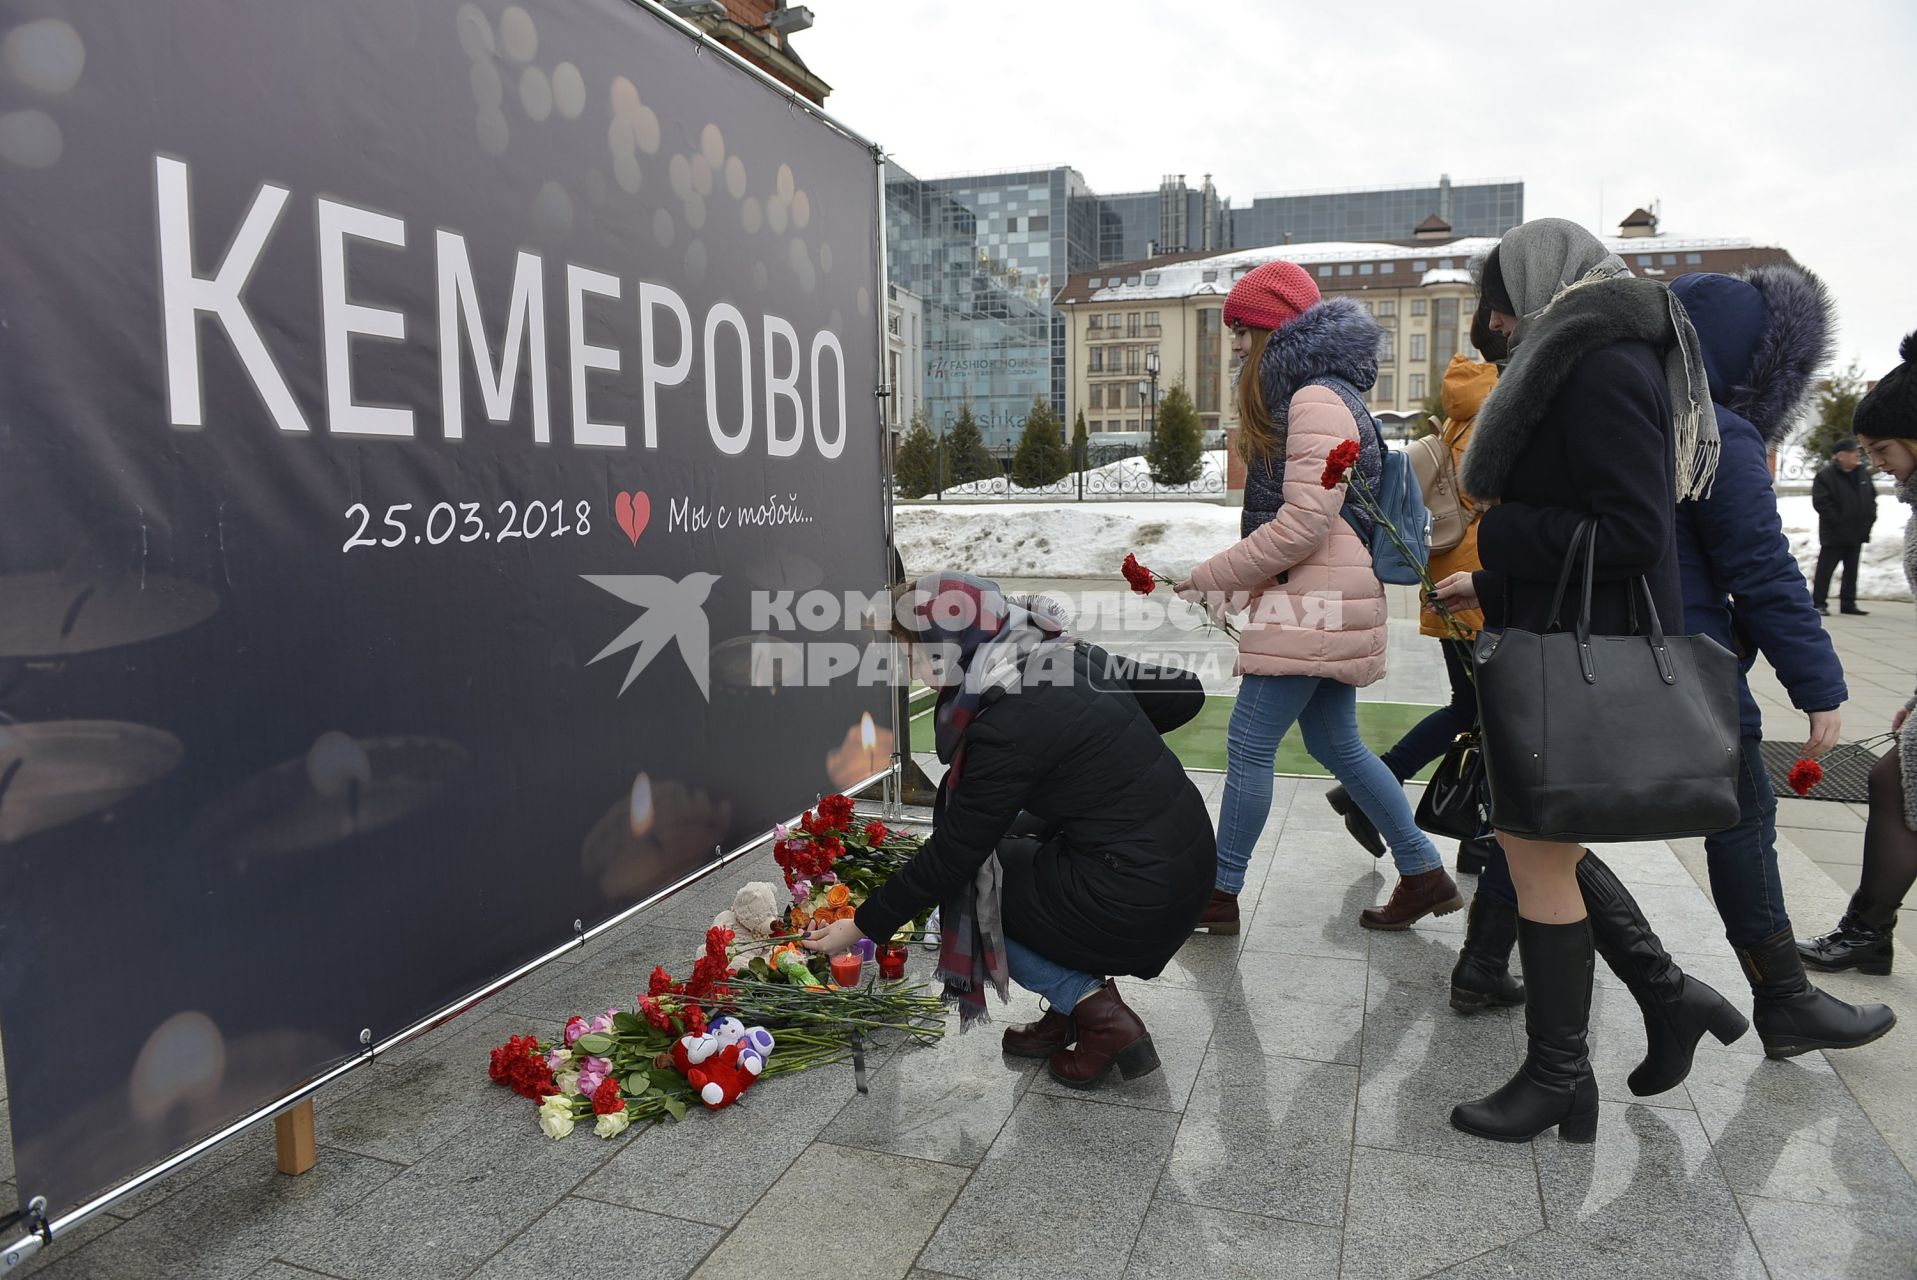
1547,259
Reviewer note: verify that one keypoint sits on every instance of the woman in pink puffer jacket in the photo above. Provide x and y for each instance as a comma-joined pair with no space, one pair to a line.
1314,632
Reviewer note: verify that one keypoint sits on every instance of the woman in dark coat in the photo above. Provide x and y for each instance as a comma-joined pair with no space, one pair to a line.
1044,734
1604,412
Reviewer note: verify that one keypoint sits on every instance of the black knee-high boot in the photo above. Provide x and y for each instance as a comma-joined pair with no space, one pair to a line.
1555,1085
1678,1009
1482,977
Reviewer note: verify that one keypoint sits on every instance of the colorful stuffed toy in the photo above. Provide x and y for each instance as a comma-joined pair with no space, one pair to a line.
722,1064
755,1043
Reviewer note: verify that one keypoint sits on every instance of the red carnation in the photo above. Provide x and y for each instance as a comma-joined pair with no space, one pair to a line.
1142,580
660,983
875,833
1804,775
607,1099
1342,459
836,811
654,1013
518,1064
695,1018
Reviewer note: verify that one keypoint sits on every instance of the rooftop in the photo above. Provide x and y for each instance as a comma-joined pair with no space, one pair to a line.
1189,275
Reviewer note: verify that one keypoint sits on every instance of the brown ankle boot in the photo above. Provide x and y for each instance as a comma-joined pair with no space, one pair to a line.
1221,914
1109,1035
1414,898
1052,1032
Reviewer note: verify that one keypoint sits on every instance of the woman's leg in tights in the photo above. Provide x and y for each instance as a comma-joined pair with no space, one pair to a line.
1545,874
1890,847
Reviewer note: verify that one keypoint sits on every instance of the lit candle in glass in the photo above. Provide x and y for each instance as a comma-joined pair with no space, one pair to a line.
847,968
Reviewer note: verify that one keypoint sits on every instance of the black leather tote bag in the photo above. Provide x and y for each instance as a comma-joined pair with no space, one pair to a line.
1608,738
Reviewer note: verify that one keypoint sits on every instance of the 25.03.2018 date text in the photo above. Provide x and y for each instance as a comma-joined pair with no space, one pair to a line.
444,522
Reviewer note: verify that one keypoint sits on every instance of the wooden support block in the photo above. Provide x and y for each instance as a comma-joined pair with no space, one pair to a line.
293,1133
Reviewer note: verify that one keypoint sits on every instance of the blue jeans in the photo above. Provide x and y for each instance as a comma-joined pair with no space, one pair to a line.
1062,988
1326,712
1742,860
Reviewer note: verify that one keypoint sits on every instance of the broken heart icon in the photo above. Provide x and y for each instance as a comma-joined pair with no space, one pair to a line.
632,511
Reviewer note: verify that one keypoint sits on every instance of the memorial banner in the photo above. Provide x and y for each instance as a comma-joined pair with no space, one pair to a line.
415,418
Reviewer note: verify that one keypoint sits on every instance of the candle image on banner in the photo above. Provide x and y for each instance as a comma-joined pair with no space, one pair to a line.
866,750
656,826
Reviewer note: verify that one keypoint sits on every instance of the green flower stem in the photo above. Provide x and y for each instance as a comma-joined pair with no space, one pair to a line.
1454,629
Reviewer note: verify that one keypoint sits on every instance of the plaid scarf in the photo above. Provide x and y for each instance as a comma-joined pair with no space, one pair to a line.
978,643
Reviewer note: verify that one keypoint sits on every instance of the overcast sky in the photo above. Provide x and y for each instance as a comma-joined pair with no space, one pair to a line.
1786,124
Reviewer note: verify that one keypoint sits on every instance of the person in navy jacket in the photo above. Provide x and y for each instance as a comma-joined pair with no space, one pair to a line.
1763,335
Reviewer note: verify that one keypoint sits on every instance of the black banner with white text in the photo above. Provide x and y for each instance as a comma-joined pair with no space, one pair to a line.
407,409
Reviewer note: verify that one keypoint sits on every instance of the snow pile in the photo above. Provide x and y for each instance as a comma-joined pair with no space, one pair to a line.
1127,476
1881,574
1062,539
1090,540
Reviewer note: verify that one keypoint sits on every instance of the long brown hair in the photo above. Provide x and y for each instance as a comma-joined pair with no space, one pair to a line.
1259,435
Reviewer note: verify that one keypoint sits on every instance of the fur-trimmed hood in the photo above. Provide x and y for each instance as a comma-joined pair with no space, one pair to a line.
1337,337
1764,333
1582,320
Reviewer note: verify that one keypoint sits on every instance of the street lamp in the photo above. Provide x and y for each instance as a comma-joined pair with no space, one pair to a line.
1151,367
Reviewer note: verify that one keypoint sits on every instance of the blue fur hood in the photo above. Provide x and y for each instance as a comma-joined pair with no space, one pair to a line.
1336,337
1764,334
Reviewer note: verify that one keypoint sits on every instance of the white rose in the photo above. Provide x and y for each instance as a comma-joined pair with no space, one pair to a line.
612,1124
568,1082
556,1121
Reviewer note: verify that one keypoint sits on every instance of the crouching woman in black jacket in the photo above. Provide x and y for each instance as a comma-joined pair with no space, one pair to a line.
1047,735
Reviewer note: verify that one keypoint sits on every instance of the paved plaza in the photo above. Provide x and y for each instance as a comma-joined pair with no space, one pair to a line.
1297,1128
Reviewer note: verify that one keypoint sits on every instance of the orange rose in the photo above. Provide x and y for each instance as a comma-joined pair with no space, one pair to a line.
837,896
823,917
845,913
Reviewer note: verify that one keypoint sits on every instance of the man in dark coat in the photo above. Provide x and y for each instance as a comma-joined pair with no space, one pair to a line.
1846,506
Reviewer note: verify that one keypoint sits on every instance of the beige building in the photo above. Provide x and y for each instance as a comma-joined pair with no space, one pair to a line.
1119,317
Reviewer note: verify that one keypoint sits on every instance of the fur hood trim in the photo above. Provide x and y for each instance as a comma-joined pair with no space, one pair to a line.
1797,341
1337,337
1582,320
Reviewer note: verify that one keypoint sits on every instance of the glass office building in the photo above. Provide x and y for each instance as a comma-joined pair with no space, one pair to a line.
1480,209
987,253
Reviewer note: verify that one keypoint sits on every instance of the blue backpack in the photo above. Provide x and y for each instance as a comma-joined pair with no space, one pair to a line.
1399,495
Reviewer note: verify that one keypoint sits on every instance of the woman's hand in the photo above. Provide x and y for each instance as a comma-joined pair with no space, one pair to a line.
1457,593
838,936
1897,721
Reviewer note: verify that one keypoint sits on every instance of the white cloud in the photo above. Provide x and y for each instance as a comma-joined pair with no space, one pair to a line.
1785,123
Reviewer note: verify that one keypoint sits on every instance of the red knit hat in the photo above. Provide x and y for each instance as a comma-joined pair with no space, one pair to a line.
1271,296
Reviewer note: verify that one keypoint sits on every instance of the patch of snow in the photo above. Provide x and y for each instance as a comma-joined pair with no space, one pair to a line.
1090,540
1062,539
1126,477
1880,574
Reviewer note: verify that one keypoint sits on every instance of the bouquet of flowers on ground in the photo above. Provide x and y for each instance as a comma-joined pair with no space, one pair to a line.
832,863
620,1066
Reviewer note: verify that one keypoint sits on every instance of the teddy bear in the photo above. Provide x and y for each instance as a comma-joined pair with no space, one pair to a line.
720,1070
754,912
755,1043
